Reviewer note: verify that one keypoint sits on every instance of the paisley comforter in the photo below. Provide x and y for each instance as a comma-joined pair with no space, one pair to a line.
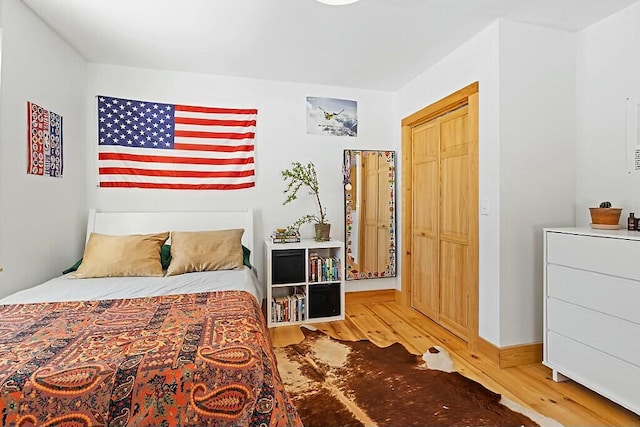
180,360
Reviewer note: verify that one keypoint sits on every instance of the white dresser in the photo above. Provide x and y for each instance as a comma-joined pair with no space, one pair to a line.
592,310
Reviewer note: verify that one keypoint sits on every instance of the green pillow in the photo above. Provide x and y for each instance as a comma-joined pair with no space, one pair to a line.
246,254
74,267
165,259
165,256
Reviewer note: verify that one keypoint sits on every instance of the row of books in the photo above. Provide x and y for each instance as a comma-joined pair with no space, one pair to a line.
323,269
288,308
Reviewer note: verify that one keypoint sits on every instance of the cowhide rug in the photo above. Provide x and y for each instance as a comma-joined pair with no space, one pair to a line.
342,383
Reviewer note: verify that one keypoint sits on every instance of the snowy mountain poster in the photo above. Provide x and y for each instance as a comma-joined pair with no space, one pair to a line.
332,116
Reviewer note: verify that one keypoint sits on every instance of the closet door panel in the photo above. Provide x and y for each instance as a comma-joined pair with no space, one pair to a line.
425,296
454,217
454,307
424,247
455,175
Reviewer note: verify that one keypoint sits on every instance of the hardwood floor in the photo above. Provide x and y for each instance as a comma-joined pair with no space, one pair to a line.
385,322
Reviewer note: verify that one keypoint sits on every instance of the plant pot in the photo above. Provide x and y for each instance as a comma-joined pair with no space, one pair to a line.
322,232
605,217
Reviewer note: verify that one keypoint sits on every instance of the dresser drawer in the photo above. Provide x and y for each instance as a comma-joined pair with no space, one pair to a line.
611,335
617,257
609,376
612,295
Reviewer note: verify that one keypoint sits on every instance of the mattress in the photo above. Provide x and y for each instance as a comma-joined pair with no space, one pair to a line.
65,288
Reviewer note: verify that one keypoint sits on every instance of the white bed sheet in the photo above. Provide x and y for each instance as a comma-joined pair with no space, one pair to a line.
64,288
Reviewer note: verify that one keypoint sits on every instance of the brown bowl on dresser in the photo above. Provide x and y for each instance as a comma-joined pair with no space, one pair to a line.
605,217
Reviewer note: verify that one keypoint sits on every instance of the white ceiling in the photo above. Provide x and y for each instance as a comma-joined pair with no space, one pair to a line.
372,44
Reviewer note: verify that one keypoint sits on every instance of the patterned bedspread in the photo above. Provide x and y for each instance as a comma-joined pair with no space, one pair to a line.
180,360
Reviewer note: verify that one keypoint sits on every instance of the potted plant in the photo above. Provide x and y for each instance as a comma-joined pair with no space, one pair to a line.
605,216
305,176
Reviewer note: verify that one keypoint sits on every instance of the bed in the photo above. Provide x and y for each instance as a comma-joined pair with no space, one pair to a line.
188,349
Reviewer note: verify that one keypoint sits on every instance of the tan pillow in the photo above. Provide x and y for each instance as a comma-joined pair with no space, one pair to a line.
118,256
205,251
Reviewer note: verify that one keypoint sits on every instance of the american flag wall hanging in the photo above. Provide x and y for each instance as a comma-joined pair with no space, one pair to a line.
44,130
165,146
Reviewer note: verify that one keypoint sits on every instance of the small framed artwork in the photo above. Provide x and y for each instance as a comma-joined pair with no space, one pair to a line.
332,116
44,141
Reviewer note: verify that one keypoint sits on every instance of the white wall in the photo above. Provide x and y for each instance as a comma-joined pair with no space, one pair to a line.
280,139
0,46
537,165
42,219
608,71
476,60
526,78
526,119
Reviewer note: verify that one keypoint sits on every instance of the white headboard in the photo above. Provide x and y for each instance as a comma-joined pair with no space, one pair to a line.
121,223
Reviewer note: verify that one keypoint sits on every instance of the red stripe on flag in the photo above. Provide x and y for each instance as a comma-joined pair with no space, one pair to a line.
203,147
199,134
193,109
175,173
213,122
169,159
177,186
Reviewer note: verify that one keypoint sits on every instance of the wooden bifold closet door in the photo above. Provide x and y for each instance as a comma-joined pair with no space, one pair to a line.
443,226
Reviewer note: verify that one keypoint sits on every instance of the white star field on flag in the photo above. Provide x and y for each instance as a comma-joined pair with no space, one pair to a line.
135,123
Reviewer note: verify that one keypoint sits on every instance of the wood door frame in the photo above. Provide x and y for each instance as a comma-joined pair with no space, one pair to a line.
465,96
